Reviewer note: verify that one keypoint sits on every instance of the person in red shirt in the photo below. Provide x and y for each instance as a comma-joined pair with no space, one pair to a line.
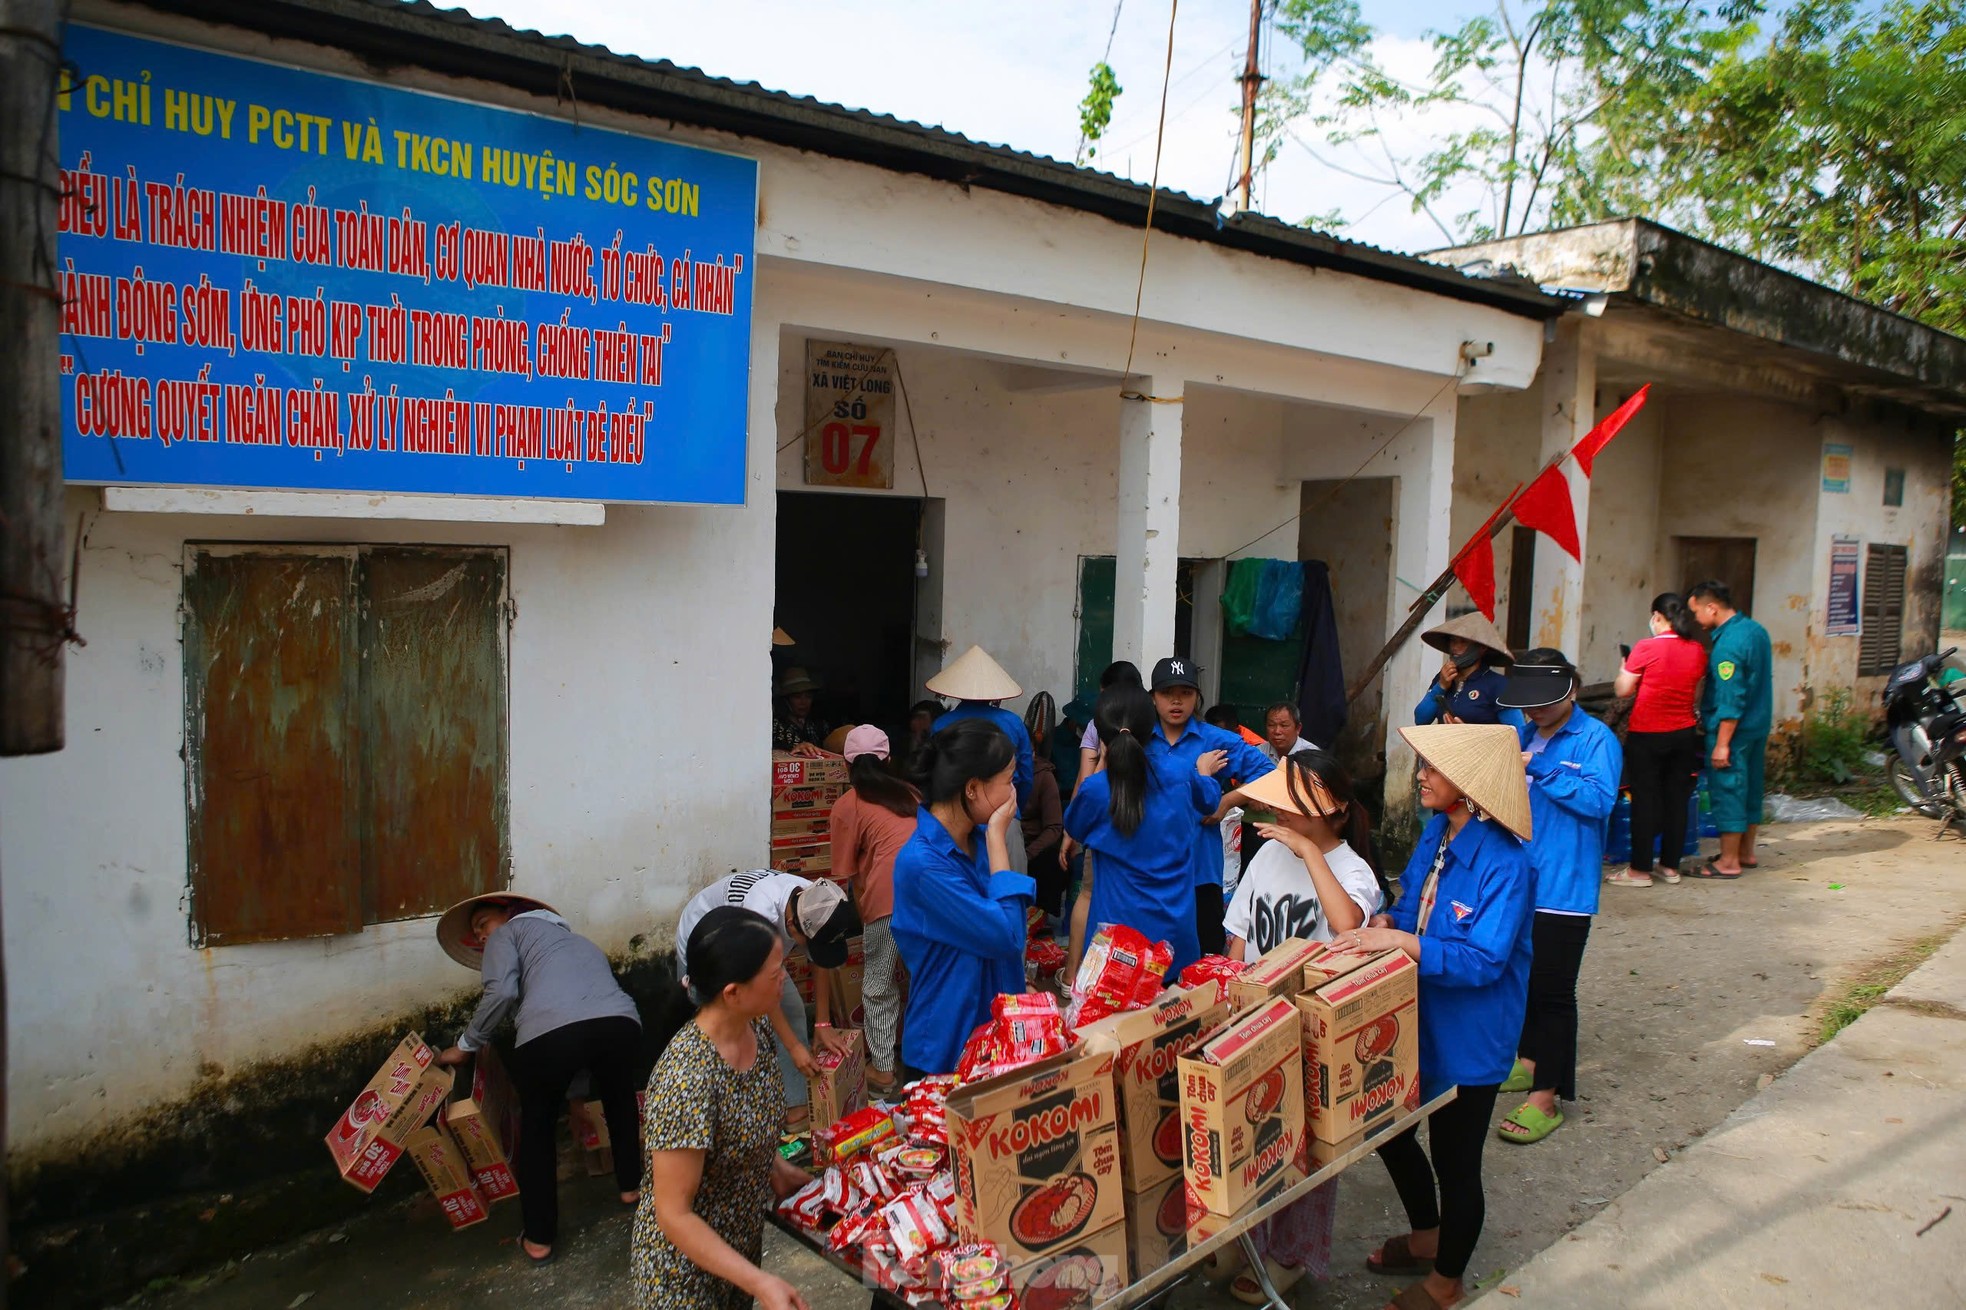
1663,747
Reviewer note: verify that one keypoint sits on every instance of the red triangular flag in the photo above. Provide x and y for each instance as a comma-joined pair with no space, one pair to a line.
1474,563
1546,507
1475,568
1600,436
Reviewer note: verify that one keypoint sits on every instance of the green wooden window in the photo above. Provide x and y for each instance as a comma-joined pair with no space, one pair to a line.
345,730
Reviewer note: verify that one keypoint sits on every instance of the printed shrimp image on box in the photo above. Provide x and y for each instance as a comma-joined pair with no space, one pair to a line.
1037,1155
1242,1106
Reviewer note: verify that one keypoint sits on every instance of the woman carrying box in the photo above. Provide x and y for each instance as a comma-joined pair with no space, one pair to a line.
1464,913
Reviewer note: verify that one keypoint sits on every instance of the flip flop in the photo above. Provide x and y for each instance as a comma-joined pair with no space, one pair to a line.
1415,1297
1666,875
1628,878
1530,1123
1519,1079
1708,869
1394,1256
536,1261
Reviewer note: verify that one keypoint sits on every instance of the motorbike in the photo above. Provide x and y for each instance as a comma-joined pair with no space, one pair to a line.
1926,725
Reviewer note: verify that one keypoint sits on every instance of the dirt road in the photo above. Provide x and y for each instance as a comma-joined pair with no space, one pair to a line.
1682,986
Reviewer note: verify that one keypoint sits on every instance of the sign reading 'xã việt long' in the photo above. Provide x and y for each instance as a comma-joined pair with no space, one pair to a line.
280,278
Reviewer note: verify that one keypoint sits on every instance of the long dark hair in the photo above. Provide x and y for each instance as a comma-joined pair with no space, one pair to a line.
1671,606
967,748
1120,673
728,945
874,782
1125,718
1041,718
1320,764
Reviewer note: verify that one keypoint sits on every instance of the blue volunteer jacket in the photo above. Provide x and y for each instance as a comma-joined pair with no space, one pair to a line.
1146,881
1246,765
1472,702
1020,737
1573,785
1474,956
960,929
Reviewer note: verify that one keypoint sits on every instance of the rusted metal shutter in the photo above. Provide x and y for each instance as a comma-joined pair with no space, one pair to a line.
1881,647
270,692
433,727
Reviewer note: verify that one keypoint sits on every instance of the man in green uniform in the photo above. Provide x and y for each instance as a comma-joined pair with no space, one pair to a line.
1737,702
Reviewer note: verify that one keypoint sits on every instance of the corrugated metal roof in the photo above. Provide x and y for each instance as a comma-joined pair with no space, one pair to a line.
391,33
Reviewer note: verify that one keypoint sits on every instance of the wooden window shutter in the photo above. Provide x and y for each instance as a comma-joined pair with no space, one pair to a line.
269,736
1881,646
433,727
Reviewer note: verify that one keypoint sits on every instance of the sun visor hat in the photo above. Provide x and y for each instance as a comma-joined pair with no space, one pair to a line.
827,918
1532,686
1176,673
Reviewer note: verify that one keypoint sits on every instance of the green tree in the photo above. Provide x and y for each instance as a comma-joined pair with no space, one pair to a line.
1096,110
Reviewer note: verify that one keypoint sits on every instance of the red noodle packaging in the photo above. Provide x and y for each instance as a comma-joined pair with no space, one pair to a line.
1217,969
1122,970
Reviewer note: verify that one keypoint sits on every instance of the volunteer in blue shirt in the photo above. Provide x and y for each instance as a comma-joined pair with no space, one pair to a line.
1471,675
979,686
1574,763
1737,703
958,906
1182,740
1135,817
1464,914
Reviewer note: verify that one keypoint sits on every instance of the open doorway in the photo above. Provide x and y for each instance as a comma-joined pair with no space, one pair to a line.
845,592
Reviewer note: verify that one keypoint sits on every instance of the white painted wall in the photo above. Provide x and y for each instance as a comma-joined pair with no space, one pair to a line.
639,668
1621,570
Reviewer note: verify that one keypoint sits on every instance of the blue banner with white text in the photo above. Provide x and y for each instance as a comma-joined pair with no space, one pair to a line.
283,279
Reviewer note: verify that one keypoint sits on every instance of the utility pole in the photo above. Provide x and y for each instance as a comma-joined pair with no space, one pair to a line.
1252,80
34,617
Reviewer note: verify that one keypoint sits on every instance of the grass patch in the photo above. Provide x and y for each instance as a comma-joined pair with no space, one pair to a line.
1858,993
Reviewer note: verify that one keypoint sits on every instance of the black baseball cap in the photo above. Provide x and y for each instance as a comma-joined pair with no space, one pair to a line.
1174,672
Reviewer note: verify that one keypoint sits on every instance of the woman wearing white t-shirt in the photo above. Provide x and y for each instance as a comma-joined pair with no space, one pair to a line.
1310,880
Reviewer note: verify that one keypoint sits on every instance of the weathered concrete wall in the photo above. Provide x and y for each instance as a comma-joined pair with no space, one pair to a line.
1882,439
1740,467
1621,576
1495,447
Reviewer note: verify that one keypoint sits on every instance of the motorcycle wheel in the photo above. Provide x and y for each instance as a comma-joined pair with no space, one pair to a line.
1905,783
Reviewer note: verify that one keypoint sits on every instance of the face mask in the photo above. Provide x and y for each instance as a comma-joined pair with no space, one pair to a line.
1469,658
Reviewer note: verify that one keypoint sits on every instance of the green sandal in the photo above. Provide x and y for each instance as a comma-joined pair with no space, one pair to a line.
1519,1080
1528,1124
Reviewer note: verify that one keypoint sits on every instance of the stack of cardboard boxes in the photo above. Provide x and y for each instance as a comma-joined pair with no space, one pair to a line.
802,795
463,1153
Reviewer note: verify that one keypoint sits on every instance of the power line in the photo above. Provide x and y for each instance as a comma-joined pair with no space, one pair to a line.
1153,195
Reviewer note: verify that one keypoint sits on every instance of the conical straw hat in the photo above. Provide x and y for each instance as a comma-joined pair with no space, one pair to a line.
974,676
1272,792
1485,761
454,928
1475,627
780,637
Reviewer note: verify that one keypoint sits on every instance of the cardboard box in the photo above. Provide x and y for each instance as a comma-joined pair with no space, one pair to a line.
803,802
1242,1105
1280,973
808,828
837,1093
798,966
789,770
1157,1224
809,860
1146,1046
402,1096
485,1122
849,1009
1084,1271
442,1163
1361,1042
588,1121
1037,1156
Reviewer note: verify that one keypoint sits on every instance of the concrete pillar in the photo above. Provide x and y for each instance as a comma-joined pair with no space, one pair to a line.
1569,388
1149,539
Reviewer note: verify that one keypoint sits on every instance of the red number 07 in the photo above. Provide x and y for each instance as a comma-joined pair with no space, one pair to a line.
836,446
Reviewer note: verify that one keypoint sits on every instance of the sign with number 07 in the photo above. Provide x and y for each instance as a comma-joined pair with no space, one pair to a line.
849,417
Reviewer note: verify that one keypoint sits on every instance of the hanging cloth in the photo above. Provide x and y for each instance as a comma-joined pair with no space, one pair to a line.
1321,677
1239,594
1279,600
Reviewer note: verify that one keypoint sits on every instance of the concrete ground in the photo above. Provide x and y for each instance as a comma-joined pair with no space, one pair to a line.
1693,999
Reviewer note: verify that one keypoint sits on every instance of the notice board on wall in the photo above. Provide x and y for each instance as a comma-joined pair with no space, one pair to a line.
279,278
1844,618
849,430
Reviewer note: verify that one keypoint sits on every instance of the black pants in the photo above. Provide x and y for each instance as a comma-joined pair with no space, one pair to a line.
1549,1027
542,1070
1661,768
1456,1135
1208,918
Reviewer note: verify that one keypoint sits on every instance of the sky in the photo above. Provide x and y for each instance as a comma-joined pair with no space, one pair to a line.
1012,72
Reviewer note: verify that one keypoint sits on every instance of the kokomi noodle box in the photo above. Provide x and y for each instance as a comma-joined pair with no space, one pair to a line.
1146,1046
1242,1106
